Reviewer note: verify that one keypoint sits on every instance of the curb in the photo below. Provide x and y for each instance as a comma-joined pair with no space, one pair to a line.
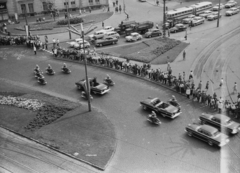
52,148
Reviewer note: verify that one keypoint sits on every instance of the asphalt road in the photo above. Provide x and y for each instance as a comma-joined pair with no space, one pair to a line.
141,146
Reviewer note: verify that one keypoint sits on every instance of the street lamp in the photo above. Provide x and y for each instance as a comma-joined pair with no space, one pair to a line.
26,27
164,18
85,64
218,13
67,4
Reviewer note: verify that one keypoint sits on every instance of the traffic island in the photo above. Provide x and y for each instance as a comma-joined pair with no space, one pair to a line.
59,124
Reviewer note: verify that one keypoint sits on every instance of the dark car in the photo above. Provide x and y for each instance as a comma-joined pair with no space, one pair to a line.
153,33
106,41
160,107
178,28
95,87
222,122
208,134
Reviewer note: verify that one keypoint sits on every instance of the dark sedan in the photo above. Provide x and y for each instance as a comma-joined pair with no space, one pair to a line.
106,41
153,33
160,107
95,87
222,122
178,28
207,134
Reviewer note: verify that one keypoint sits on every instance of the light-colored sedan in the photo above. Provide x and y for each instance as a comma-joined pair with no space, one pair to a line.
216,7
108,28
188,19
232,11
205,13
213,16
133,37
230,4
78,43
197,21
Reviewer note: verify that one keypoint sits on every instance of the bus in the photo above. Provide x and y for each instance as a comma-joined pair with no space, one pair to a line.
183,12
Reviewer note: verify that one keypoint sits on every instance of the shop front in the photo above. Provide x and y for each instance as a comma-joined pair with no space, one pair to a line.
3,11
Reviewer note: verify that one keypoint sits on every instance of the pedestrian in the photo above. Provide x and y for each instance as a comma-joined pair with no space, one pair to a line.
35,50
102,24
191,74
57,43
168,33
200,85
116,2
207,85
127,16
188,92
65,14
157,26
233,108
184,55
221,82
46,38
90,10
54,42
157,2
55,52
46,45
80,11
113,4
183,76
120,8
235,88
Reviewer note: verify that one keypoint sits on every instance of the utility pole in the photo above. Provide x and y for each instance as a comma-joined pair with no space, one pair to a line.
164,18
85,64
218,14
67,4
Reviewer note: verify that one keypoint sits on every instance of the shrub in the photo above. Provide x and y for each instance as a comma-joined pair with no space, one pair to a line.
74,20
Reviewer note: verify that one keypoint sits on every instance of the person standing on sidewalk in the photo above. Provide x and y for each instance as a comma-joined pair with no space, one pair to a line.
207,85
54,42
57,43
188,92
35,50
116,2
235,88
102,24
184,55
221,83
200,85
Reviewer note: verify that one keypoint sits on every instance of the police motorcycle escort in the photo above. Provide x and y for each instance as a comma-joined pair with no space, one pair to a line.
49,70
108,81
65,69
152,118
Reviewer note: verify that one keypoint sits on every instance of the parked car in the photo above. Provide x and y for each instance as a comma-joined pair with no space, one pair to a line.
208,134
222,122
106,41
177,28
205,14
216,7
197,21
214,16
153,33
108,28
133,37
112,34
78,43
95,87
230,4
161,108
188,19
232,11
98,35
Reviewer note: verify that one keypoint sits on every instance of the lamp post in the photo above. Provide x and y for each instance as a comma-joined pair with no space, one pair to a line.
164,18
67,4
26,27
218,13
85,64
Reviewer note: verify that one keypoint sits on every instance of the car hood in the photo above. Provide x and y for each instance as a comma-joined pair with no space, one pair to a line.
221,137
101,86
233,125
128,37
171,109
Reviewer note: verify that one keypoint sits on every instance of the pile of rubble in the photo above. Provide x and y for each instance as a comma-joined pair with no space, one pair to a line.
30,104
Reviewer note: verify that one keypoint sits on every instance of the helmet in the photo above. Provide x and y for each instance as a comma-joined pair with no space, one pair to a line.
49,65
37,66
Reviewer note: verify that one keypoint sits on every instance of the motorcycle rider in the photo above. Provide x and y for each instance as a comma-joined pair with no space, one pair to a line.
108,79
153,116
41,80
37,69
49,68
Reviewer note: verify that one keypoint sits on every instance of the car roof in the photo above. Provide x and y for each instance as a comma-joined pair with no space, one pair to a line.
134,33
209,128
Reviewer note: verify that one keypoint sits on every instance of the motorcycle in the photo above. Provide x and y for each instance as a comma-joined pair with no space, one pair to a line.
66,70
153,120
42,81
108,82
36,71
84,95
50,71
39,75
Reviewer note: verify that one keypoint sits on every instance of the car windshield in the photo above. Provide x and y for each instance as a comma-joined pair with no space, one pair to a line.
228,121
215,134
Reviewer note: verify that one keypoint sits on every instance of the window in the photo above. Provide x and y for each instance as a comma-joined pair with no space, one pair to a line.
65,3
45,8
97,1
73,3
30,7
24,9
90,1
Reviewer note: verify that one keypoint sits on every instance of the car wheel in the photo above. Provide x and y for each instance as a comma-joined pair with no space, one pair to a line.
144,107
189,133
210,143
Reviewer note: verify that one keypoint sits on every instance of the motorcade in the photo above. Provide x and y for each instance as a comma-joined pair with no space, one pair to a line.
164,109
197,21
188,19
230,4
178,28
153,33
95,87
208,134
216,7
205,14
214,16
112,34
221,122
108,28
105,41
78,43
133,37
232,11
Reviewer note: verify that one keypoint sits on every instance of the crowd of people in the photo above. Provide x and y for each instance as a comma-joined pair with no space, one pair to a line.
182,84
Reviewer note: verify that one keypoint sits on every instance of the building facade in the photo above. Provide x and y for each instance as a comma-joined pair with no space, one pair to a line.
12,8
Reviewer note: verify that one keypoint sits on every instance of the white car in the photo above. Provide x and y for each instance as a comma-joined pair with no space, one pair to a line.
205,13
232,11
216,7
197,21
108,28
78,43
97,35
112,34
188,19
133,37
230,4
213,16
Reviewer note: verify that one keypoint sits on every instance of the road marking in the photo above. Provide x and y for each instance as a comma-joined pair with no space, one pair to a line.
47,51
